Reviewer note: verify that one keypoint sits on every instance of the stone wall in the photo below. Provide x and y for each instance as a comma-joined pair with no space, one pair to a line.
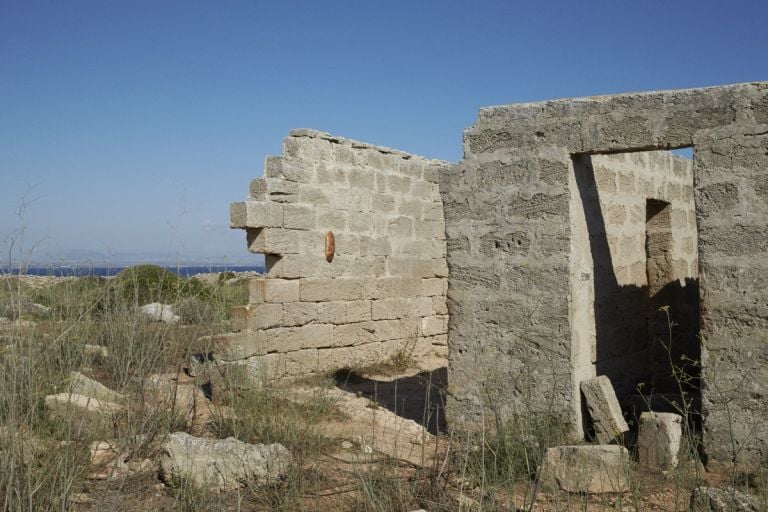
514,313
355,260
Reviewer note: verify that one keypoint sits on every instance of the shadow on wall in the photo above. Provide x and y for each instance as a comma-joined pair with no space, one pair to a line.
646,336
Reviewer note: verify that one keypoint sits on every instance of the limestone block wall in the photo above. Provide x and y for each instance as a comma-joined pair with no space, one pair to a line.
514,311
354,240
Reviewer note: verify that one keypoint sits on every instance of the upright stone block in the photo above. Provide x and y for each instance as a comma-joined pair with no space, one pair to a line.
658,443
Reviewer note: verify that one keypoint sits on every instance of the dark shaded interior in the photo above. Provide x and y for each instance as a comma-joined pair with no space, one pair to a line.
646,336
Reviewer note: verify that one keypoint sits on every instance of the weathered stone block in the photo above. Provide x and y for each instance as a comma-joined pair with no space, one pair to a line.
401,308
333,220
434,325
289,339
83,413
604,409
221,464
320,290
299,217
264,315
299,313
238,317
314,195
79,384
353,334
357,311
256,214
388,287
273,241
273,290
433,286
658,442
728,499
290,169
591,469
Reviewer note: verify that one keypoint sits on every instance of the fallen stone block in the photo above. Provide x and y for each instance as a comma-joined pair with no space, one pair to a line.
658,443
185,400
84,413
604,409
79,384
585,469
712,499
95,350
221,464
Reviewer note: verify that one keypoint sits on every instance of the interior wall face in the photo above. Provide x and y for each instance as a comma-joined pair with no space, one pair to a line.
355,255
514,254
628,262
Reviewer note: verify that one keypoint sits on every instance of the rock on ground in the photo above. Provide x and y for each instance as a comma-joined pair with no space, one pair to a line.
185,400
712,499
658,443
160,312
221,464
84,412
585,469
79,384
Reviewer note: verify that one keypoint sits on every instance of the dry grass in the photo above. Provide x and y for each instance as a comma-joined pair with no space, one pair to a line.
45,464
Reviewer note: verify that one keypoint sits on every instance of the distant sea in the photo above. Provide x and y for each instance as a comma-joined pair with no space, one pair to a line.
78,271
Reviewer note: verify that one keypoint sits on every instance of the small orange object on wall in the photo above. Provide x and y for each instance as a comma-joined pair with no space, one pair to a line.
330,246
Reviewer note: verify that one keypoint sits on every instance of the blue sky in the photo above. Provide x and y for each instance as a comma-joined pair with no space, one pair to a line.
129,126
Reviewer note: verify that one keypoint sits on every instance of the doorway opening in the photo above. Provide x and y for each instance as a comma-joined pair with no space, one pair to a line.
634,277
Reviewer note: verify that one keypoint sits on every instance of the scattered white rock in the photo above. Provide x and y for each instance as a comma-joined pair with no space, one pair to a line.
185,400
103,452
658,442
467,504
96,350
712,499
81,385
82,412
221,464
39,309
585,469
160,312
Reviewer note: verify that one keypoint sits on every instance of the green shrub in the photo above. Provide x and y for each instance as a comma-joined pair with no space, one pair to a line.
143,284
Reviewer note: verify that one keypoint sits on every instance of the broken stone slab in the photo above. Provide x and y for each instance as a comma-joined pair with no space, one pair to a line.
658,442
604,409
185,400
103,453
728,499
95,350
85,413
221,464
585,469
79,384
160,312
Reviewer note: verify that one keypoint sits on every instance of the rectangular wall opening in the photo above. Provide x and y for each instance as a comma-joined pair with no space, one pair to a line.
634,277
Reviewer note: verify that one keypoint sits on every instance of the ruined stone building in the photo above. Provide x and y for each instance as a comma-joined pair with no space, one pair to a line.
567,243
